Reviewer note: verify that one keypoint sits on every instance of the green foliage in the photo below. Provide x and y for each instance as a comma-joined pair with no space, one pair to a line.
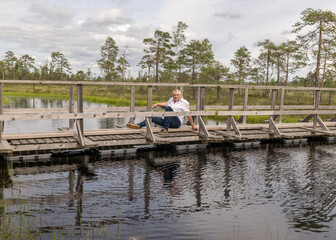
107,63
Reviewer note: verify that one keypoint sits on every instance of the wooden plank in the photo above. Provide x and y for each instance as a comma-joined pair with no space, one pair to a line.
79,116
23,141
270,113
96,83
56,140
40,141
44,147
32,141
15,142
5,148
71,139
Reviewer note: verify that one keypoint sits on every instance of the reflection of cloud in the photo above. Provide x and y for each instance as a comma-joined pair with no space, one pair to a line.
230,15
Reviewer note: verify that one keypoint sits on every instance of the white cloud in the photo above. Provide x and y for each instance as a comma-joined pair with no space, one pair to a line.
78,28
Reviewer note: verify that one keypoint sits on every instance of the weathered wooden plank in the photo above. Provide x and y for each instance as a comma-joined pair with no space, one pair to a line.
56,140
40,141
32,141
45,147
96,83
5,148
270,113
79,116
23,141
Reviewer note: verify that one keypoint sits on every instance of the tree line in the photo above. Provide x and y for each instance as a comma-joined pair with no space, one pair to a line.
169,57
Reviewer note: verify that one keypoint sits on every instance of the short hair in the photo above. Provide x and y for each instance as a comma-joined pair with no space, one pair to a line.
177,90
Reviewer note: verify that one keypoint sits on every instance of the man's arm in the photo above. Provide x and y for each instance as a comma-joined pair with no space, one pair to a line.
163,104
190,119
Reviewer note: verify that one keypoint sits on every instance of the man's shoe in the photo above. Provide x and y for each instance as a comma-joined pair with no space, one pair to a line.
163,131
133,126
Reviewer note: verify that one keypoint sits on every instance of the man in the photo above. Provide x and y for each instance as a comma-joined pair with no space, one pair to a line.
175,104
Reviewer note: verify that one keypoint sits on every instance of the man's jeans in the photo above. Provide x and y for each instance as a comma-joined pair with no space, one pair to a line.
166,122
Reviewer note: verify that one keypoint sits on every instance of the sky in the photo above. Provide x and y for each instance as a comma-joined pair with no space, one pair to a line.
78,28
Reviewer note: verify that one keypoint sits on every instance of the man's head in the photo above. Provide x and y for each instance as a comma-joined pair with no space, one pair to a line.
177,95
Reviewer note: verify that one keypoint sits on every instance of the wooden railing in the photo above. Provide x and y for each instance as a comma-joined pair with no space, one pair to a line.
77,116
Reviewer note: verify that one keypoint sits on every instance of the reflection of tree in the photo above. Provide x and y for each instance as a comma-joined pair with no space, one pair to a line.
5,181
227,174
147,179
309,203
198,172
83,171
130,180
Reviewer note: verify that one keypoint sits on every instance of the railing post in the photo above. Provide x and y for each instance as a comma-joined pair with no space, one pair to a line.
181,90
132,107
282,98
316,106
71,105
149,133
80,107
245,104
200,101
230,108
274,95
1,112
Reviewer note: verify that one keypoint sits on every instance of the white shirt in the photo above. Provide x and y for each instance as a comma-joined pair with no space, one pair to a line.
179,106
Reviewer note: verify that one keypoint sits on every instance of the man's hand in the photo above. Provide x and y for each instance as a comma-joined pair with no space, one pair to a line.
195,128
154,105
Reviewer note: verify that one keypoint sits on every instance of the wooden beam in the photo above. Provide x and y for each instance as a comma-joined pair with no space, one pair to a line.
316,104
80,122
230,107
281,106
96,83
149,131
71,105
245,104
132,103
203,131
273,129
80,134
1,112
15,117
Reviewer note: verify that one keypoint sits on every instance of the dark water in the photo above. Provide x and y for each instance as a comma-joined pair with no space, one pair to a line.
273,192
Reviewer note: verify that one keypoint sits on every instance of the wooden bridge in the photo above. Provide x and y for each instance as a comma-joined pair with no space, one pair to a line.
76,137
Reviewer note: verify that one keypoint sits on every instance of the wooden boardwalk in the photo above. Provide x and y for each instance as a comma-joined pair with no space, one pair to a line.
75,137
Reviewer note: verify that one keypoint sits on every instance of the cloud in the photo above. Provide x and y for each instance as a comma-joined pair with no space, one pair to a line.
53,15
230,15
109,18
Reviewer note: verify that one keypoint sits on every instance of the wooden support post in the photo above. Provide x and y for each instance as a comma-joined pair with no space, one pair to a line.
282,98
273,129
132,107
1,112
316,106
80,125
80,134
181,90
230,108
71,105
202,128
245,104
200,104
270,119
149,132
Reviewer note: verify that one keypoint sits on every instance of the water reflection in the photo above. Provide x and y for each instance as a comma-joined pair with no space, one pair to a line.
170,195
